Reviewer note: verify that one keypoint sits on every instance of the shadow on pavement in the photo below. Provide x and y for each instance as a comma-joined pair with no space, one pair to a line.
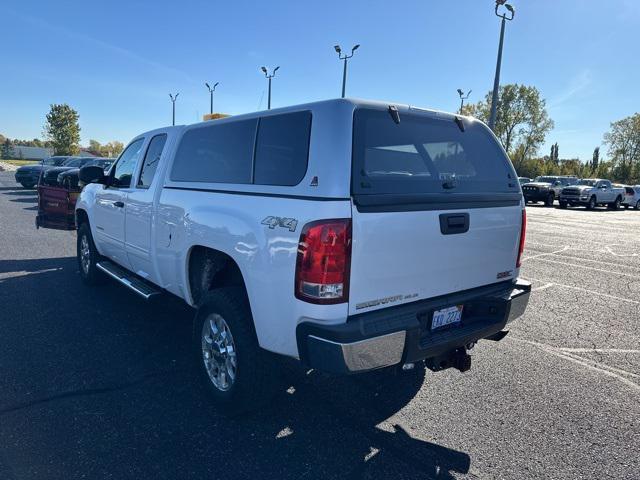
96,382
24,200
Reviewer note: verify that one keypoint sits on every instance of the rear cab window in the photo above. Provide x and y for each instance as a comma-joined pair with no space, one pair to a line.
426,155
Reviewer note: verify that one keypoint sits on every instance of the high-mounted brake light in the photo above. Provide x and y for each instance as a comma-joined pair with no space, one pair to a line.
523,232
324,261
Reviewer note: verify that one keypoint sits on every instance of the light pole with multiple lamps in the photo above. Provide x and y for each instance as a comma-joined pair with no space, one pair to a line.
269,77
211,90
463,97
508,15
345,57
173,101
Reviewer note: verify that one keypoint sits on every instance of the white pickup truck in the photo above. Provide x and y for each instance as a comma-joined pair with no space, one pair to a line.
591,192
351,235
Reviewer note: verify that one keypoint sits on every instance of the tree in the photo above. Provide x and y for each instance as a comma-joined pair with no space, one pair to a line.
111,149
6,149
522,120
95,147
62,129
595,159
623,141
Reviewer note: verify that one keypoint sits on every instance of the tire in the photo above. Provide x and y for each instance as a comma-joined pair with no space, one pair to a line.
88,257
638,205
592,203
28,186
615,205
548,202
562,205
240,379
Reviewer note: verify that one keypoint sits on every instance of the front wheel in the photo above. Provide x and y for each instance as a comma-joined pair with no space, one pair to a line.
239,375
548,202
88,257
563,204
592,203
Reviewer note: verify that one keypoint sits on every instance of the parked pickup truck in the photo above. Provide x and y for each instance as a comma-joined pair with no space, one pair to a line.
546,189
591,192
351,235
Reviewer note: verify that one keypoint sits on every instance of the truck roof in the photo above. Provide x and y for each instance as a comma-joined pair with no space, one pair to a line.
355,102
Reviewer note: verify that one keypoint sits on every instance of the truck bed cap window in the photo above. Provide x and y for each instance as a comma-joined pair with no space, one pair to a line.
282,149
216,153
423,154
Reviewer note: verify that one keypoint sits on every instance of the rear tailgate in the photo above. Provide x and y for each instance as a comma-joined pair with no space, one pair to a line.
437,209
56,208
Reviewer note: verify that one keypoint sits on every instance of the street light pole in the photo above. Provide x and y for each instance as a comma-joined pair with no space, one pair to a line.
496,81
269,77
463,97
211,90
344,57
173,101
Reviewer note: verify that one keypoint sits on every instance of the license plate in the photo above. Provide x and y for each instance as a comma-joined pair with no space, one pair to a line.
446,316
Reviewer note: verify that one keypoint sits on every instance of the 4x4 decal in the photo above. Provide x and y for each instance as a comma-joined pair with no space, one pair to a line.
273,222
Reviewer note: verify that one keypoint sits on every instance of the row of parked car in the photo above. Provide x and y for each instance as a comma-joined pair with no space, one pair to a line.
587,192
57,179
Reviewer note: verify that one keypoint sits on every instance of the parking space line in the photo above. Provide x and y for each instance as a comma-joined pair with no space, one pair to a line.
589,364
620,265
593,292
599,350
563,249
608,249
589,268
543,287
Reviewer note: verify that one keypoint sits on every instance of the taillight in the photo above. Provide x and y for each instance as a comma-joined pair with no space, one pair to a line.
323,263
523,231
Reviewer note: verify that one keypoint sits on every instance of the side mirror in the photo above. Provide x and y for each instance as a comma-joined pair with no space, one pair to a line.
91,174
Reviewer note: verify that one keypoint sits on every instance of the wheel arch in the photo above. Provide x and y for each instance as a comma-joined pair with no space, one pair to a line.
81,217
208,268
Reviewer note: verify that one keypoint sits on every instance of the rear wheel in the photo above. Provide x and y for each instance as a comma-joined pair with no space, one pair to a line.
548,202
592,203
88,257
27,185
239,375
615,205
638,205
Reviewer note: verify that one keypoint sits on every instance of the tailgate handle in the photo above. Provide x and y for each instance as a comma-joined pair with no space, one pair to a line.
452,223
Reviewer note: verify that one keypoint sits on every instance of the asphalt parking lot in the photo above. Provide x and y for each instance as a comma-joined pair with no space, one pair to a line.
96,383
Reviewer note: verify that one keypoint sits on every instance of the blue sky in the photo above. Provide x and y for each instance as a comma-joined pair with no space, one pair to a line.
115,62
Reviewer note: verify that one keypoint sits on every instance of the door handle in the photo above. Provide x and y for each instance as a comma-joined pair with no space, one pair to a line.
118,204
453,223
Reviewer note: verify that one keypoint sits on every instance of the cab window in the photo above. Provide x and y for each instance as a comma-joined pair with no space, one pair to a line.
151,160
126,165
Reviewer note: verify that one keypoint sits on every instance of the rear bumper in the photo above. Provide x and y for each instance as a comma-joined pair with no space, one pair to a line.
402,334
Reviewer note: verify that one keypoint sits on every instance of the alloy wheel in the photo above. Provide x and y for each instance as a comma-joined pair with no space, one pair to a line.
85,254
219,352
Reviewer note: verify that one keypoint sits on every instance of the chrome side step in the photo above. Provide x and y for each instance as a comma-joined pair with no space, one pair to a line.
128,279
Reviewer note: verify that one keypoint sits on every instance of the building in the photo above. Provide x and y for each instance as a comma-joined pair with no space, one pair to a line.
30,153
